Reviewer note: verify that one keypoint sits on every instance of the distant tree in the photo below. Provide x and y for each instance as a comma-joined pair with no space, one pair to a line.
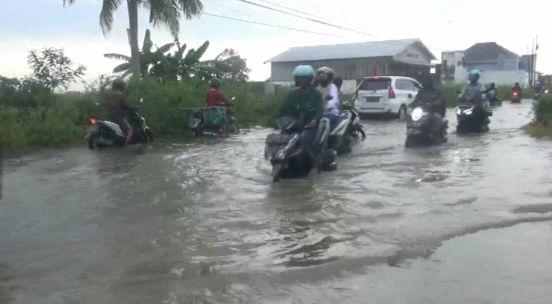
161,12
228,65
53,70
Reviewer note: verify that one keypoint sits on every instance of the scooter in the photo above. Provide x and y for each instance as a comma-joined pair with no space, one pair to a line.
472,117
424,128
286,155
105,133
516,97
213,121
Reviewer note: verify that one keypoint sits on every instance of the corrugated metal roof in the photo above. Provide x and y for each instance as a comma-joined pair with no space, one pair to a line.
486,52
349,50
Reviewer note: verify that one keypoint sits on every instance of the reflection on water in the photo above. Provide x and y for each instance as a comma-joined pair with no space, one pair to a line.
202,222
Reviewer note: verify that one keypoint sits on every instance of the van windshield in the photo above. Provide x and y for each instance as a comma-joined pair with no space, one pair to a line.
375,84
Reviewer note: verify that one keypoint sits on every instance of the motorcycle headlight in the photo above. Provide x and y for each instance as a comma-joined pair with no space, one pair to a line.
458,111
417,114
469,112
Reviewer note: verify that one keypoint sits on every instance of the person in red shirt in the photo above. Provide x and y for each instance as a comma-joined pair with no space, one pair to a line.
215,98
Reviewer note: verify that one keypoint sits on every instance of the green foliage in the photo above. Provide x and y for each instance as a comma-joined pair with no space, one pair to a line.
450,93
52,69
543,110
32,117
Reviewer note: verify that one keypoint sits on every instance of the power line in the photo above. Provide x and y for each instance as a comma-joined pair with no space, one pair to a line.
307,18
271,25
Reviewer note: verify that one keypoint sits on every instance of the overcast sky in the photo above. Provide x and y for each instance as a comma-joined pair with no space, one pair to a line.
440,24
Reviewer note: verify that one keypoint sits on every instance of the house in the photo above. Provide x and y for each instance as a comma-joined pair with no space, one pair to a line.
354,61
497,64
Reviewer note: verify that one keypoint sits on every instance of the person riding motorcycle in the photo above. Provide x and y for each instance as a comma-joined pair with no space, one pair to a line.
117,108
214,97
305,104
492,92
473,92
517,88
431,100
330,93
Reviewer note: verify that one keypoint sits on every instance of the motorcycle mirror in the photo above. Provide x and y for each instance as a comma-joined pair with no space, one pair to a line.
142,100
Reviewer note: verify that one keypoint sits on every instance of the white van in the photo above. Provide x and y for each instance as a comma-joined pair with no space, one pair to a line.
386,95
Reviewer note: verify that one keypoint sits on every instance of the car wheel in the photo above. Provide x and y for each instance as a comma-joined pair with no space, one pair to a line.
402,113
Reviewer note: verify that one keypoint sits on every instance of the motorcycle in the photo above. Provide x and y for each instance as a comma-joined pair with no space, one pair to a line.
105,133
424,128
344,134
492,98
516,97
472,117
287,156
213,121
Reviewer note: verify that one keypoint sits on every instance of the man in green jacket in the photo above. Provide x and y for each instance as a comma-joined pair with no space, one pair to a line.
305,104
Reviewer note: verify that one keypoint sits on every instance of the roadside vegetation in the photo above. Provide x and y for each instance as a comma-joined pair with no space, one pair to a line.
542,125
37,111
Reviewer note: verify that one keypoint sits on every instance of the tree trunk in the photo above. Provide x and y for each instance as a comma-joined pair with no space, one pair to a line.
133,37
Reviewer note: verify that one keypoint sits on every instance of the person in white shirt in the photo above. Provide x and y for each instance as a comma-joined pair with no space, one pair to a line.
330,93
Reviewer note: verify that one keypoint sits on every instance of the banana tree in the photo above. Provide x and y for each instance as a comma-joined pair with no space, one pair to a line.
148,57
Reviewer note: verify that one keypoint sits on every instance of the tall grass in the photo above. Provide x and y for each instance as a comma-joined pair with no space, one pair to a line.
542,125
38,118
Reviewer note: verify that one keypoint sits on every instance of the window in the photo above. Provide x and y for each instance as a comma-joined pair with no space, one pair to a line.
375,83
403,84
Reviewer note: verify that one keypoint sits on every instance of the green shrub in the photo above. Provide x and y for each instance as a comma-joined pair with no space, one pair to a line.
31,118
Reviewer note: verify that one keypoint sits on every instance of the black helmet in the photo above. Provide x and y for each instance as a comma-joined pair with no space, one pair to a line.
118,85
214,83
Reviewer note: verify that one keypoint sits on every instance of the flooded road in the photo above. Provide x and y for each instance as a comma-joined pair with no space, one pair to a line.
202,222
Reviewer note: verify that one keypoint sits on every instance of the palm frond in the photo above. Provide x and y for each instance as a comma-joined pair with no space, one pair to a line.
147,45
165,12
202,49
122,67
190,8
106,14
117,56
165,48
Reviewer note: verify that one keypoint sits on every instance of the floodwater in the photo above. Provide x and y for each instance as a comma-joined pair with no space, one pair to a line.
202,222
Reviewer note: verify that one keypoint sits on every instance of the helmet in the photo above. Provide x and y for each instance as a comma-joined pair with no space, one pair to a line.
326,70
118,84
303,71
214,83
474,75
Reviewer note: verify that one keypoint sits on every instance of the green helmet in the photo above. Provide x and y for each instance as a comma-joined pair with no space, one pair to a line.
303,71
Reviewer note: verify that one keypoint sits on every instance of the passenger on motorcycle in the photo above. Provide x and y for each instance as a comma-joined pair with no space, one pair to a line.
117,108
214,97
330,93
305,104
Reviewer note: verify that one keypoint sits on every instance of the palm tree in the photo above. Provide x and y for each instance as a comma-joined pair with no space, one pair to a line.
161,12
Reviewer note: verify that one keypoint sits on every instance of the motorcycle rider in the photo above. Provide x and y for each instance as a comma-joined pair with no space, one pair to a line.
117,108
305,103
330,93
431,100
517,88
492,92
473,93
214,97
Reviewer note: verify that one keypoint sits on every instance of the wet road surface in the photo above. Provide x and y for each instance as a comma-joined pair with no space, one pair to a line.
202,222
